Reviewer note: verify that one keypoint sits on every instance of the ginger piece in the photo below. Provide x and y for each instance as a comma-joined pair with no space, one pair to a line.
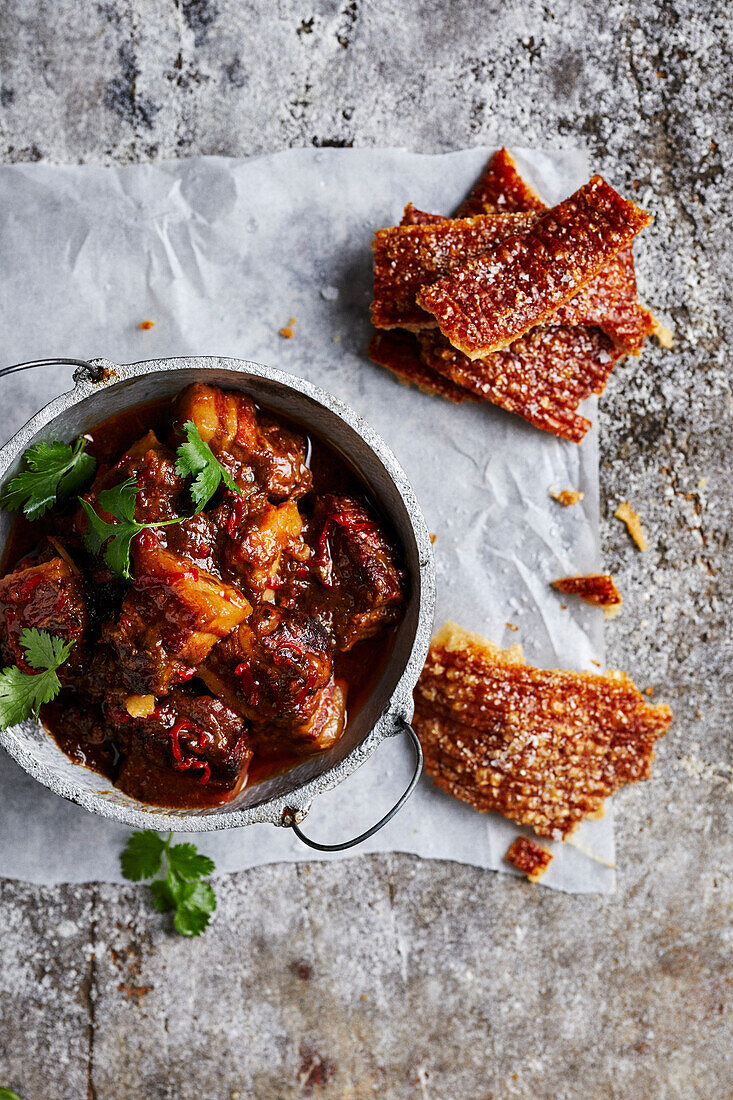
543,747
632,519
491,300
530,858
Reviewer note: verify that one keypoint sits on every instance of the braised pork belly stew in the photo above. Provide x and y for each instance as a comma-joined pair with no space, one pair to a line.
247,630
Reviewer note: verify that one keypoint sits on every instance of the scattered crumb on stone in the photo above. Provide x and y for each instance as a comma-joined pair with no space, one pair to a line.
287,332
529,857
566,497
596,663
649,691
432,538
136,991
632,519
664,335
702,483
511,626
146,325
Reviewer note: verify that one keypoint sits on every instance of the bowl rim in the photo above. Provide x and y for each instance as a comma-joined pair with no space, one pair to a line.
101,374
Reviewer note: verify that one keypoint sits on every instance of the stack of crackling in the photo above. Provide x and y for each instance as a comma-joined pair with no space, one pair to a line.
512,302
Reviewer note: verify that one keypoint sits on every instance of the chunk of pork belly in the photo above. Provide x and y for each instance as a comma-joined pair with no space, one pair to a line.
361,584
272,667
256,542
194,735
171,619
257,452
48,596
153,466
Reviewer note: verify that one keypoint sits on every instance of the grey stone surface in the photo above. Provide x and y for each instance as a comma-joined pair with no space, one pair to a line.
387,976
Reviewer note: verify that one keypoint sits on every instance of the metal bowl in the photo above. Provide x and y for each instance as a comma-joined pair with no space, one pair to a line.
103,389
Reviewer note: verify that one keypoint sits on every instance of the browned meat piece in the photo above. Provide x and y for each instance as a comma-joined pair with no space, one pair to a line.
171,618
359,585
200,738
258,453
257,542
325,725
272,668
48,596
200,538
154,468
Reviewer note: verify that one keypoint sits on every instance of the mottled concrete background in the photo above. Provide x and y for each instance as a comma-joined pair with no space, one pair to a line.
387,976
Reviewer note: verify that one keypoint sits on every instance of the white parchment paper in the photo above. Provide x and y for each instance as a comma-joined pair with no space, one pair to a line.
220,254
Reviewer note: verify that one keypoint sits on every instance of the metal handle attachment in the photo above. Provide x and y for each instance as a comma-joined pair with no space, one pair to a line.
288,818
44,363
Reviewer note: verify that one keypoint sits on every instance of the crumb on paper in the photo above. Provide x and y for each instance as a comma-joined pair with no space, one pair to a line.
594,588
530,858
287,332
511,626
432,538
664,335
566,497
145,325
632,519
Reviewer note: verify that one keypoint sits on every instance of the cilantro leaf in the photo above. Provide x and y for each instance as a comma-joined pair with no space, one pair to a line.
183,891
188,863
118,502
7,1094
142,855
24,693
195,906
49,472
116,538
195,457
163,899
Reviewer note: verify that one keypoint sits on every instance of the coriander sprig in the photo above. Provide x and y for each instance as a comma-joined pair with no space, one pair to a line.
50,472
195,458
182,889
119,502
24,693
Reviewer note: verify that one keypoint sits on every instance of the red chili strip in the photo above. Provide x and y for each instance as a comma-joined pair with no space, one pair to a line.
236,515
249,684
29,585
175,733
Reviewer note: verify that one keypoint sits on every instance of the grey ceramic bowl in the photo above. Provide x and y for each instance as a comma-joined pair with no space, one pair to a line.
104,389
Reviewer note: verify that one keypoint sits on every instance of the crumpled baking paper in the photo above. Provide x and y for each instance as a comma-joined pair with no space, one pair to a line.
221,254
